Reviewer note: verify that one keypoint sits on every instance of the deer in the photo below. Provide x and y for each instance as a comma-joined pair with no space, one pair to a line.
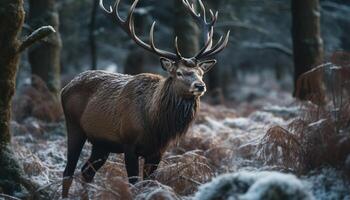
138,115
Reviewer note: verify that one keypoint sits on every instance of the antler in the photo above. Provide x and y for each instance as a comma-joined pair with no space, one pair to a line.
128,26
207,50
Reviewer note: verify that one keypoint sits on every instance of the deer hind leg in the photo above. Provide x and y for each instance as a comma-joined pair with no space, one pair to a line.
96,161
76,141
151,164
97,158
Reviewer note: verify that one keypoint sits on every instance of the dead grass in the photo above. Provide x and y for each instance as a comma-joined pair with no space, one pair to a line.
36,100
320,136
184,173
281,147
179,174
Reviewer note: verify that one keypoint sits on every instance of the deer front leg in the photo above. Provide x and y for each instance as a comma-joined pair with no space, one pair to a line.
151,164
131,164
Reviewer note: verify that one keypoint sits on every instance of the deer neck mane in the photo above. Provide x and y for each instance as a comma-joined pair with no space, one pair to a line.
171,114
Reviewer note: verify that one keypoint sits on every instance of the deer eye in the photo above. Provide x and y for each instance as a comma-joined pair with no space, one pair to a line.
178,73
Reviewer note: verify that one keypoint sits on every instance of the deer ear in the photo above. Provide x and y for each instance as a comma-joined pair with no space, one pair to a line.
206,65
167,65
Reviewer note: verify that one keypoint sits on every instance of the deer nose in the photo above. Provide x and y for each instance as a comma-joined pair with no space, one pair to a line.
199,86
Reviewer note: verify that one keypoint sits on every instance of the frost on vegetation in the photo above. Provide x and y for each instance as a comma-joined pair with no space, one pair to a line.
283,111
150,190
216,124
255,120
266,118
219,142
254,186
328,184
240,123
158,193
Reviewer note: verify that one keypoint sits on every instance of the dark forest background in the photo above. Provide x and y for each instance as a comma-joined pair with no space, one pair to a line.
261,38
278,98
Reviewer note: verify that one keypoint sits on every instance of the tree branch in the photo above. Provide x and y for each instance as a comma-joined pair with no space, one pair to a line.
269,45
238,24
8,197
35,36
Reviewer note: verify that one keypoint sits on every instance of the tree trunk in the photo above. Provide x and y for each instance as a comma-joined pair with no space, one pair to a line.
186,30
11,21
218,78
135,61
44,57
307,45
92,36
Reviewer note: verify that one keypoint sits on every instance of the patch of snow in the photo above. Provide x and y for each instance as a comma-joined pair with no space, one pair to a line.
283,111
328,184
240,122
160,193
215,124
276,185
266,118
254,186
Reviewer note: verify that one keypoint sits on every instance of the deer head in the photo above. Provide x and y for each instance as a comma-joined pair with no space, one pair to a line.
187,73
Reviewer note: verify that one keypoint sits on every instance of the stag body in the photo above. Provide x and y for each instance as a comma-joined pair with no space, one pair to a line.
135,115
143,112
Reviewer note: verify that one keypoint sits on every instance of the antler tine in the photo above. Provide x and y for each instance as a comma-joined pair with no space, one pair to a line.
217,48
113,12
207,50
208,26
213,17
128,26
208,43
103,7
200,54
115,9
129,18
197,16
190,8
203,11
159,51
177,48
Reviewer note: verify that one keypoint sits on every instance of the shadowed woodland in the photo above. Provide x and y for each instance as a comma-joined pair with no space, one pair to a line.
274,122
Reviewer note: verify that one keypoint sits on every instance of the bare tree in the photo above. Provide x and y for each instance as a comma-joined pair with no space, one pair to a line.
44,57
92,38
9,59
307,44
186,30
135,61
11,21
217,80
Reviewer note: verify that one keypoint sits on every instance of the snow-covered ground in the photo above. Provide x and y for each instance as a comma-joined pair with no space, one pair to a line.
223,140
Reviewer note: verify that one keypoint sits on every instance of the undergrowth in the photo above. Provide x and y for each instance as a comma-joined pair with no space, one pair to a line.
320,136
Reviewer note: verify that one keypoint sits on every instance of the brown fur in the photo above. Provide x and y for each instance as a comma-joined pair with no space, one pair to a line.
135,115
118,113
142,110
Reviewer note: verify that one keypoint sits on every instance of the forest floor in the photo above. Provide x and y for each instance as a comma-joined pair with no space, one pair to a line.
224,139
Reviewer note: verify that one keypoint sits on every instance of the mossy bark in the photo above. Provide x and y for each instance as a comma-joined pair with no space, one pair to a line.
10,171
11,21
44,57
307,43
